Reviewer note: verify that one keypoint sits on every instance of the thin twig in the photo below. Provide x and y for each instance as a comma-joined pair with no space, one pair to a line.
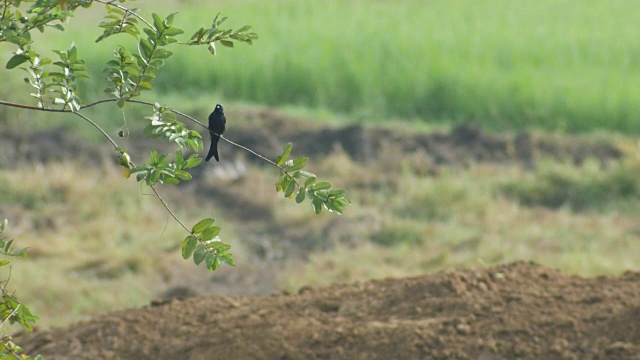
4,10
12,313
97,127
164,203
207,128
111,3
252,152
98,103
186,116
30,107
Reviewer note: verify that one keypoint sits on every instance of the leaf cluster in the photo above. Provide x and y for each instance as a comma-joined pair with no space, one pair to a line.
16,26
130,73
294,180
204,244
56,87
11,309
160,170
119,21
163,124
225,36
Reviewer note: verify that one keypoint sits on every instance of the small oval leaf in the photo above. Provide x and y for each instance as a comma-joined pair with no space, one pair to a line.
202,225
16,60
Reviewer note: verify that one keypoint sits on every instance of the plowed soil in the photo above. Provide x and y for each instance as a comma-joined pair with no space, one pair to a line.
516,311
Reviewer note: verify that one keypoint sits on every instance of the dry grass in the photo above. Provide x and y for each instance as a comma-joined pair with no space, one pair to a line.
460,218
100,243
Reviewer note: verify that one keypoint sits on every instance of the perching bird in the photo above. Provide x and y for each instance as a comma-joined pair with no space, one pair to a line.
217,123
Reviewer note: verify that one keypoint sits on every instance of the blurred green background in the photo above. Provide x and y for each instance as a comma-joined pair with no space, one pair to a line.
554,65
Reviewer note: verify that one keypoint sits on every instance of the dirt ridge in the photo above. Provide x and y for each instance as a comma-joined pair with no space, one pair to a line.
519,310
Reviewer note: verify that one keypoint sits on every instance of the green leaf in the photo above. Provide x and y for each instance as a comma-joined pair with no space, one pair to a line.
286,151
154,156
16,60
73,53
202,225
144,85
199,254
4,262
21,253
311,194
183,175
298,164
169,20
145,49
281,181
219,246
114,10
309,181
321,186
178,158
150,33
161,53
322,194
172,31
317,205
171,180
210,233
7,246
226,43
306,174
336,193
336,206
301,195
213,262
192,162
291,188
228,259
157,22
188,245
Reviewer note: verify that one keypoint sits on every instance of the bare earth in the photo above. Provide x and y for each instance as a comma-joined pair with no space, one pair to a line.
519,310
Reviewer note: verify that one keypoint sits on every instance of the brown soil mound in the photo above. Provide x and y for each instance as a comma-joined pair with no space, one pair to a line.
520,310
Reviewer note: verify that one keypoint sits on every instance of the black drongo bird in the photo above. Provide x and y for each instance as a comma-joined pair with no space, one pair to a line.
217,122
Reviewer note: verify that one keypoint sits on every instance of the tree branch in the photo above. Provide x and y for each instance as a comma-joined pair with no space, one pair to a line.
4,10
127,11
28,107
166,206
97,127
186,116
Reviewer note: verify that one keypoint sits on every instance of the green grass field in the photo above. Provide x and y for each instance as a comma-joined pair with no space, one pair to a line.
556,65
